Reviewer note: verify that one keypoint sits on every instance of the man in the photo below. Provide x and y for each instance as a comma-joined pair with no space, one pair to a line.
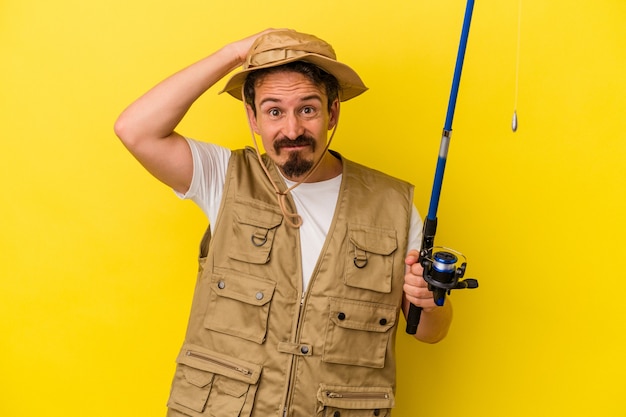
306,263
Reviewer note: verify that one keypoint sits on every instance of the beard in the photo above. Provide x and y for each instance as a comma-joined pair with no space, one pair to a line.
296,165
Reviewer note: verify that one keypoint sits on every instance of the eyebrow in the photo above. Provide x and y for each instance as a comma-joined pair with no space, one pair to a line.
305,98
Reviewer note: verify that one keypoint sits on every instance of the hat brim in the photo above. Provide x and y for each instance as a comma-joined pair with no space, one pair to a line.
350,83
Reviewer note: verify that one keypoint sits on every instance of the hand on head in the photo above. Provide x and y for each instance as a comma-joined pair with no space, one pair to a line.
242,46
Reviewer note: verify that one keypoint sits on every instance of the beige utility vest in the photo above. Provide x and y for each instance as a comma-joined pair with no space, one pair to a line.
257,344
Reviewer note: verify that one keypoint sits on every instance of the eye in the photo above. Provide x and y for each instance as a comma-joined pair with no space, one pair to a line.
274,112
309,110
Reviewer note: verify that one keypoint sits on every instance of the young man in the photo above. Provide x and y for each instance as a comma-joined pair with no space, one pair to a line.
309,257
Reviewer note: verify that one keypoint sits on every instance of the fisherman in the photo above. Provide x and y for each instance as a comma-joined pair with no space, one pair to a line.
309,257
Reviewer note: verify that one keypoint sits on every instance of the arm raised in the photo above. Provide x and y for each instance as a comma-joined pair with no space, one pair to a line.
147,126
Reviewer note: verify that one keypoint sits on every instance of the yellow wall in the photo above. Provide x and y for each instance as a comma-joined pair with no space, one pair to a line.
98,259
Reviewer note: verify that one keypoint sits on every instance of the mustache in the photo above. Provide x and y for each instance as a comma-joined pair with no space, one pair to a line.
301,140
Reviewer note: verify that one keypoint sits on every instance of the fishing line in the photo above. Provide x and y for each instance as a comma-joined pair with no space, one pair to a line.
514,122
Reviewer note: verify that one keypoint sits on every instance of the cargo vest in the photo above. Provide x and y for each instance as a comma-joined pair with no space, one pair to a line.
257,344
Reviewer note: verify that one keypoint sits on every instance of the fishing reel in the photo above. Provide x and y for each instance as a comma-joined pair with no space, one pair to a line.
443,272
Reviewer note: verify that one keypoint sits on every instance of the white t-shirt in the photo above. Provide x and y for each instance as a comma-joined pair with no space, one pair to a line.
315,201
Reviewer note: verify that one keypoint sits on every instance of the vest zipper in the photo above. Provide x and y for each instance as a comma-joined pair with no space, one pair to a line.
358,395
289,393
219,362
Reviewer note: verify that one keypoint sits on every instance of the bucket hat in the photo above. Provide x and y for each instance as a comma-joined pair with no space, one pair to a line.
281,47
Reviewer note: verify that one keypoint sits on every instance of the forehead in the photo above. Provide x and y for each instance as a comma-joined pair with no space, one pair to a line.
282,85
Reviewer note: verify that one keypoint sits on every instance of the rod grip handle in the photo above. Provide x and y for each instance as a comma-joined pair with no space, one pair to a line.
413,319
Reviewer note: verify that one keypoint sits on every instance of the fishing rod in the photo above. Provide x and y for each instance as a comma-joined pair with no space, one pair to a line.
441,266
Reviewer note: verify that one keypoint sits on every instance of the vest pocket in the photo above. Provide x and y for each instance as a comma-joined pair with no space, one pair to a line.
354,401
239,305
207,383
253,232
369,262
358,333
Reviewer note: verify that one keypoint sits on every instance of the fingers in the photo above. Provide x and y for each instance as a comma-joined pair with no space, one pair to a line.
413,267
412,257
415,287
420,297
242,46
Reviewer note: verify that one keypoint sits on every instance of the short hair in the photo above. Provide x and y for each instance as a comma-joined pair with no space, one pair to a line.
314,73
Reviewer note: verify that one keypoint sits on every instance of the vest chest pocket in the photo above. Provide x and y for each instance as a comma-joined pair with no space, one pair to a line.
253,232
338,401
239,305
207,383
369,262
358,333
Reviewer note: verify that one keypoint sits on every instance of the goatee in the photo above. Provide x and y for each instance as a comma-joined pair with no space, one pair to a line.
296,164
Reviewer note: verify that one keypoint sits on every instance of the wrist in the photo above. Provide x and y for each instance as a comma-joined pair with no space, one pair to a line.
233,55
436,310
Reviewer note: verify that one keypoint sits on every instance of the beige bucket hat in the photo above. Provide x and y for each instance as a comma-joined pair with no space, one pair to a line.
284,46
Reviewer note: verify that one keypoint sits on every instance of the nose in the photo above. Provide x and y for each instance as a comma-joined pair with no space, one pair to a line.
293,127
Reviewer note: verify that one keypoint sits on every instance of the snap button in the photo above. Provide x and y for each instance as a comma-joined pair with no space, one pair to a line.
259,295
377,412
336,414
383,322
304,349
221,285
341,316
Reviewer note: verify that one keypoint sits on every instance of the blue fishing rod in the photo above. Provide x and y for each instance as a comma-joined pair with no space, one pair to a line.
442,271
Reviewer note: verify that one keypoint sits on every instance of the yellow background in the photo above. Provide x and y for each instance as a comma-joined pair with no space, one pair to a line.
98,258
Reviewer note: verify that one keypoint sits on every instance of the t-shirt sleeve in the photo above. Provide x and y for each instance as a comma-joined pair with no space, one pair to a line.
210,163
415,231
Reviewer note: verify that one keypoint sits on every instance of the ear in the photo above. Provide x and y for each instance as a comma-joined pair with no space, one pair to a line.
333,116
252,119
